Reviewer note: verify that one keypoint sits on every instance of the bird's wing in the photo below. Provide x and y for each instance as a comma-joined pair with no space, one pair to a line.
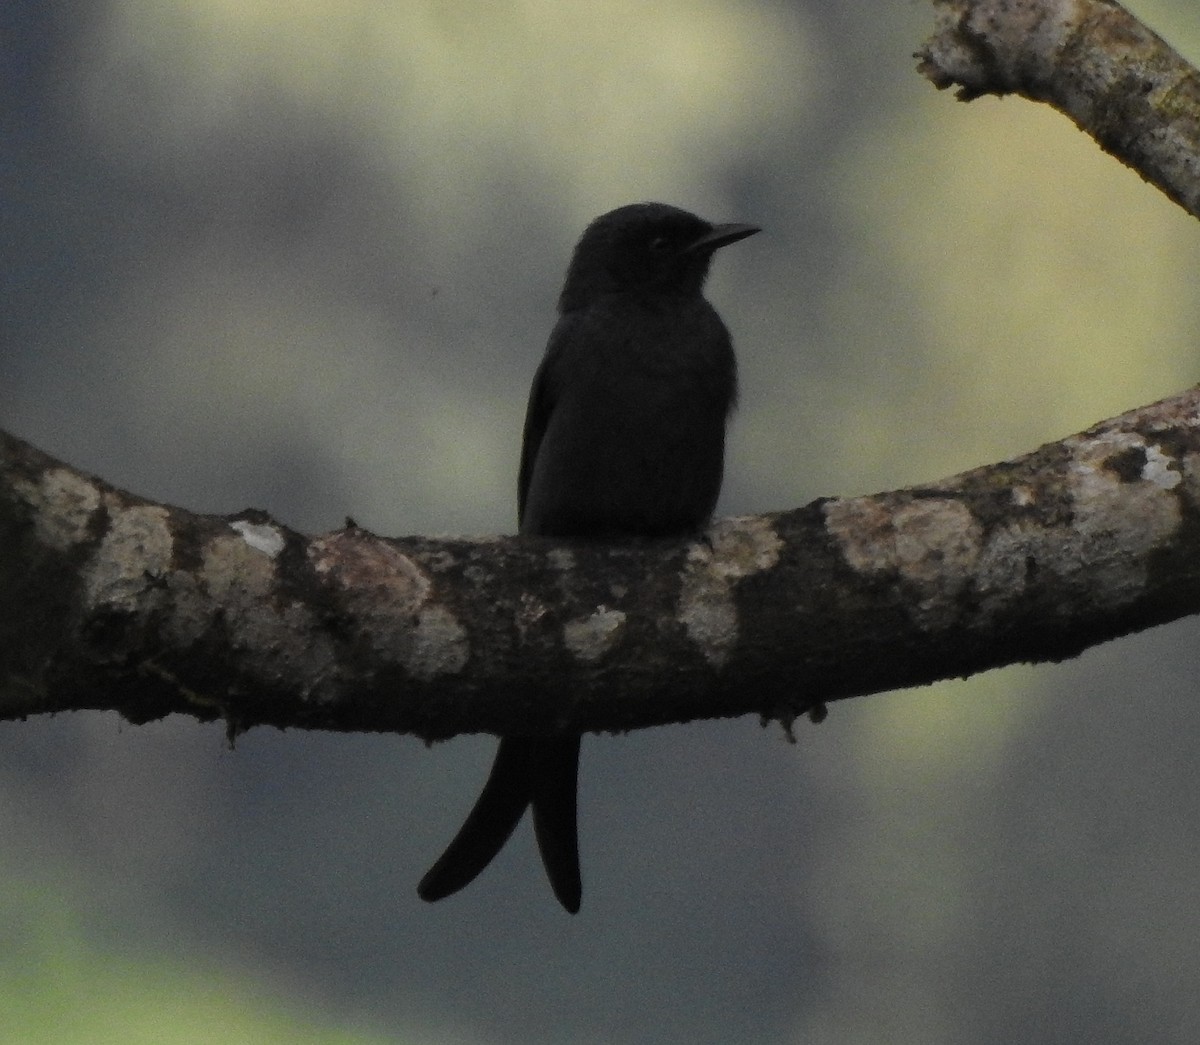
543,396
537,416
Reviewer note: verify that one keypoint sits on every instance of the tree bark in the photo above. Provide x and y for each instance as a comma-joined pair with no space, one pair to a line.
1090,59
109,601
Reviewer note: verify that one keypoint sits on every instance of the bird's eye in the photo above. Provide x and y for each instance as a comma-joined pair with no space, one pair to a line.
659,244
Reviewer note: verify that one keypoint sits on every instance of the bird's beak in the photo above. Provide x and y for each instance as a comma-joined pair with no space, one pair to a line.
721,236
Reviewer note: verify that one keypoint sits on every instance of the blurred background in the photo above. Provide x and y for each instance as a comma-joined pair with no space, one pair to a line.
304,257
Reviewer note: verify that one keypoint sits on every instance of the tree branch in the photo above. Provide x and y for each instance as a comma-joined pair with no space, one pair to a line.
1090,59
109,601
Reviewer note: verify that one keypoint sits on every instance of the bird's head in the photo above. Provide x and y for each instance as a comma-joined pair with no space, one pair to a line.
644,248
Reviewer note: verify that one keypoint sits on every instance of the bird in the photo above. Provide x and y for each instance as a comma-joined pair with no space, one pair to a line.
624,437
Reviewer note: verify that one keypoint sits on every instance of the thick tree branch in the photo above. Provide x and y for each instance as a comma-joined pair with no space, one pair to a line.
1090,59
110,601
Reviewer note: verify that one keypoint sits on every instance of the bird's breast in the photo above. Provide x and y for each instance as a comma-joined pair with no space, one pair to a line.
636,438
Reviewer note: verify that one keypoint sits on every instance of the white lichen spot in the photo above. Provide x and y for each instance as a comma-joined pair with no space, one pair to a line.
590,637
530,611
1022,496
1117,523
260,536
862,527
1160,469
711,622
930,544
439,645
731,550
562,559
370,568
392,599
67,503
1003,570
234,573
238,585
936,542
136,549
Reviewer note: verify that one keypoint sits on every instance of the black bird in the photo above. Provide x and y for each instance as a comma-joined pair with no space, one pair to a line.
624,436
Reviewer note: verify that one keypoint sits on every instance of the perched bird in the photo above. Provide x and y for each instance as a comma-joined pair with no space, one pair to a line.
624,436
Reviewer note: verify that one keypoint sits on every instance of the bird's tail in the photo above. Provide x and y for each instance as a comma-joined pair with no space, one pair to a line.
554,772
534,771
